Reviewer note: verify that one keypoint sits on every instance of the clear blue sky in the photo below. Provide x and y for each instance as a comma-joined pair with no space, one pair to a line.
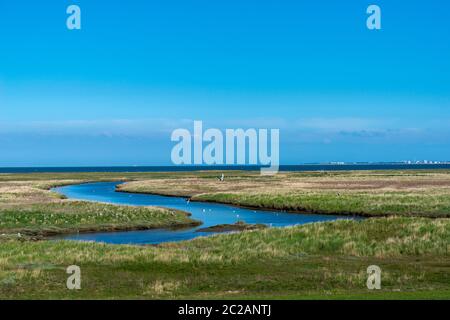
111,93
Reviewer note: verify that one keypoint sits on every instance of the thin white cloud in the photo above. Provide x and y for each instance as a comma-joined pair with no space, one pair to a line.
132,127
306,128
338,124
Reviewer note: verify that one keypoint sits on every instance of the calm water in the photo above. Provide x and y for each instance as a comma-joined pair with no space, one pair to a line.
303,167
209,213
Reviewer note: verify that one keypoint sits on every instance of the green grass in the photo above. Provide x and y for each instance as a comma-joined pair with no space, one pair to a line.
355,203
316,261
320,260
111,176
369,193
79,216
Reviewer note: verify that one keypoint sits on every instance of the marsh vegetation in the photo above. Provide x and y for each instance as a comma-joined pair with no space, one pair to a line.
366,193
319,260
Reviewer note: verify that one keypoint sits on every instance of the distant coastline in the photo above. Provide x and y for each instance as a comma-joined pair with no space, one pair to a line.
301,167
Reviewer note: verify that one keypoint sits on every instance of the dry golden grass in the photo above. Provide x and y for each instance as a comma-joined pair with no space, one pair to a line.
369,193
287,182
28,208
315,260
30,192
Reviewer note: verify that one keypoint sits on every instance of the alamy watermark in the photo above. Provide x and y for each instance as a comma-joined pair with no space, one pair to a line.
74,280
373,21
234,147
374,278
73,21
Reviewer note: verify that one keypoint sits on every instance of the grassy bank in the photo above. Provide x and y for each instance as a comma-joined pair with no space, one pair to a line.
28,207
368,193
324,260
78,216
320,260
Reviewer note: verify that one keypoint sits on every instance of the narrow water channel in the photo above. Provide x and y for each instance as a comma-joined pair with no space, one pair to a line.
209,213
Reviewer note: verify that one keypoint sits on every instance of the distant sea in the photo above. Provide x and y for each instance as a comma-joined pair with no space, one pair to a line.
302,167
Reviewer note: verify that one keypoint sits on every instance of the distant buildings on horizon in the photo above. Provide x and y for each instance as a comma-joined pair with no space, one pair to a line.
379,163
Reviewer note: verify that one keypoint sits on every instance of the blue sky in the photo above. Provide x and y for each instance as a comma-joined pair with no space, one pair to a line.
112,92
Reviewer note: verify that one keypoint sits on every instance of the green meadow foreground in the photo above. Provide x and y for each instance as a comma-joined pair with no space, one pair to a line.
409,238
